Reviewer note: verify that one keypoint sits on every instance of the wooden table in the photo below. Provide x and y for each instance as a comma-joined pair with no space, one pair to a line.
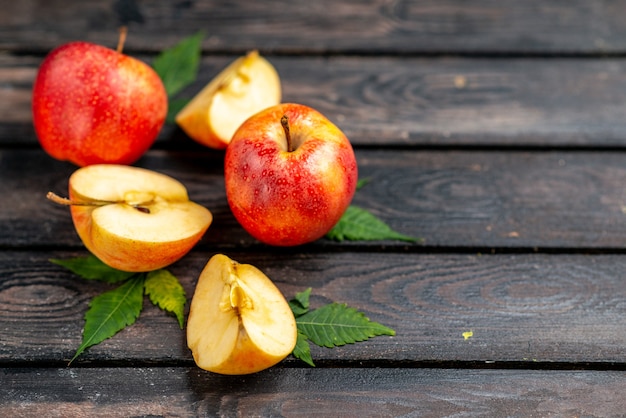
495,131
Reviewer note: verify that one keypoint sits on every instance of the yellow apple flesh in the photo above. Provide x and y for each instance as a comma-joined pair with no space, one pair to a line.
246,86
134,219
239,322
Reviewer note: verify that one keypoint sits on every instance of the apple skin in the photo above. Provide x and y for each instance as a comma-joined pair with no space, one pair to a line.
92,105
127,254
285,198
246,358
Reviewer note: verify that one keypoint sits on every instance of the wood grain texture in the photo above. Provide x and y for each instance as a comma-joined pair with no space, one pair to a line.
186,392
391,101
523,310
460,200
493,130
400,26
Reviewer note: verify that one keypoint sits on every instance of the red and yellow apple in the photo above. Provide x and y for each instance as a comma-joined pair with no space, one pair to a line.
92,104
239,322
133,219
249,84
290,174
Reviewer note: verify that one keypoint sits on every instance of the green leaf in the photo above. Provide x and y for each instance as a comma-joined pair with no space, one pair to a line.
358,224
300,303
362,182
111,312
337,324
302,350
178,66
166,292
175,106
91,268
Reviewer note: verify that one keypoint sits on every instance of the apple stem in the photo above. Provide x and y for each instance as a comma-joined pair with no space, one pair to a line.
122,39
285,122
68,202
59,200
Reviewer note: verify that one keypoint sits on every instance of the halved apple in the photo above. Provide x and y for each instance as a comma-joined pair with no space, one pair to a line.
239,322
134,219
246,86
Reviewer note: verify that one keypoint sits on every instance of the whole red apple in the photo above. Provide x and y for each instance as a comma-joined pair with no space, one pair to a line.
92,104
290,175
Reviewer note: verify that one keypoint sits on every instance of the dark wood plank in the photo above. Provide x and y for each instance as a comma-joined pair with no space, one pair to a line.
494,131
392,101
523,310
452,199
450,101
311,392
325,26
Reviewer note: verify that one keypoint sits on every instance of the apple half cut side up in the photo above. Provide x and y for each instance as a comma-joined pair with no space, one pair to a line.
239,322
249,84
134,219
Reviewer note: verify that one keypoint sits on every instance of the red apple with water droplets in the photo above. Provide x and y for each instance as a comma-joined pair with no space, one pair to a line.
290,174
92,104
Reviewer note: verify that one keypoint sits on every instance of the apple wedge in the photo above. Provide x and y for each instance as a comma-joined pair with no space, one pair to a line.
239,322
134,219
246,86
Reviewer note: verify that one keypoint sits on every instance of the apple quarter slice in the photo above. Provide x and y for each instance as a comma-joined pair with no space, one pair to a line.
246,86
239,322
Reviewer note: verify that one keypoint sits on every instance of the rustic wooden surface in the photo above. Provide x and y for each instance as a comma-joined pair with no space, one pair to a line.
495,131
